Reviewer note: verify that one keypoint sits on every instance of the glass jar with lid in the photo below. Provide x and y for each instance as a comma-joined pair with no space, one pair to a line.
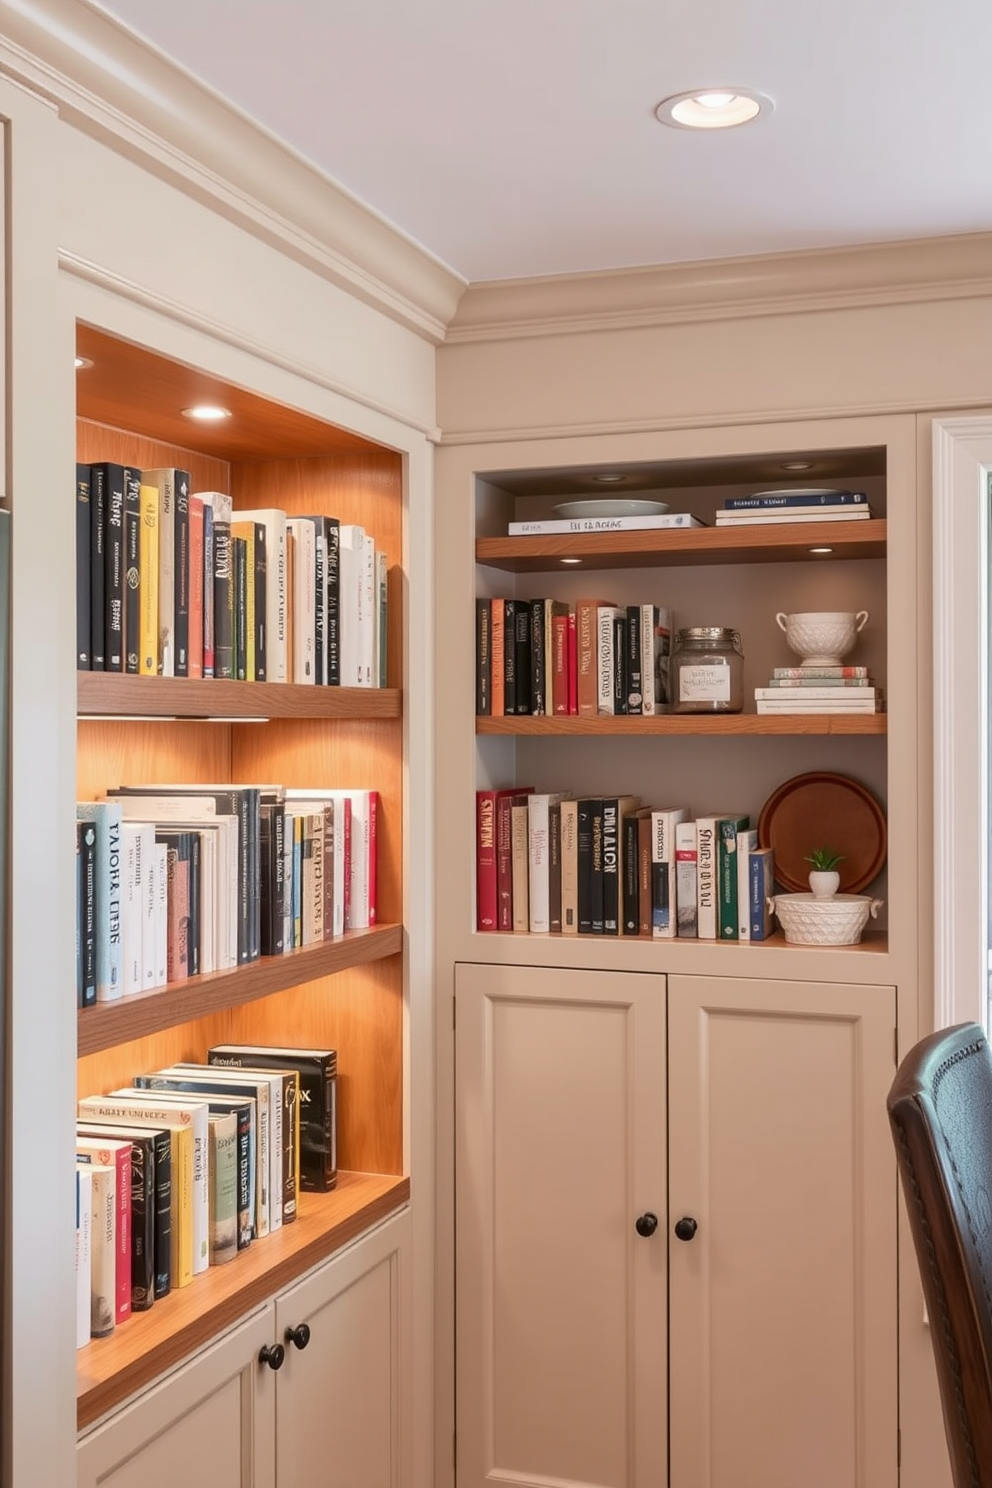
707,670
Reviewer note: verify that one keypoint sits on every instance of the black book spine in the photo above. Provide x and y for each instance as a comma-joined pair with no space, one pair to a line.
620,663
245,1215
483,657
261,592
253,807
113,566
163,1214
634,671
98,538
319,602
509,657
629,876
132,570
239,549
86,842
223,600
193,953
181,620
522,653
272,820
332,619
610,857
84,620
537,679
142,1224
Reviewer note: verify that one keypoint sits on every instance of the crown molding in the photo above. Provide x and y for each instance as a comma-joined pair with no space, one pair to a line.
726,289
116,88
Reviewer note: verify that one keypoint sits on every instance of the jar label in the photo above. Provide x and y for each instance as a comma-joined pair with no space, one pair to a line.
709,684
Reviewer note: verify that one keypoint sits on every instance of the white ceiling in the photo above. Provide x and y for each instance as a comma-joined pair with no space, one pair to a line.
517,137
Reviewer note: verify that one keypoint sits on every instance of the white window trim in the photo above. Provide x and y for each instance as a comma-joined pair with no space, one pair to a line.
962,461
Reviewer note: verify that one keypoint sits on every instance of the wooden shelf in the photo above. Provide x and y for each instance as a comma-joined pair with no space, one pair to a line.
675,724
144,1013
110,1369
111,695
786,542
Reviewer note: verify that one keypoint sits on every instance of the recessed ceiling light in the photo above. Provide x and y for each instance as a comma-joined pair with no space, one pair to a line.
610,478
82,362
713,108
207,413
798,465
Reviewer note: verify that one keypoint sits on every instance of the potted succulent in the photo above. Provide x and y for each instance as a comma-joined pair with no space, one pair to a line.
824,880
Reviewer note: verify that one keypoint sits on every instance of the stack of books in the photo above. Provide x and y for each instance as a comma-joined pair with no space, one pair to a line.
820,689
819,505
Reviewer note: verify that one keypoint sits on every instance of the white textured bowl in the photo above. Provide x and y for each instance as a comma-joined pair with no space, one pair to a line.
822,637
836,921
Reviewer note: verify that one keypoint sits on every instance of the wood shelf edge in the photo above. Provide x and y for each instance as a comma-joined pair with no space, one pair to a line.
142,1013
149,1344
113,695
735,725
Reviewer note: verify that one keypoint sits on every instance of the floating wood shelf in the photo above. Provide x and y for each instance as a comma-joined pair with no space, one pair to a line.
143,1013
113,695
680,724
786,542
108,1370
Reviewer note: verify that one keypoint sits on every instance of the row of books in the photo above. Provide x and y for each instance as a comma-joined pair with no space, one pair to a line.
179,881
820,689
176,583
546,656
192,1164
550,863
821,505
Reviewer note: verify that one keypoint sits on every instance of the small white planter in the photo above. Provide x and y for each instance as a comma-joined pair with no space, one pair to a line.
823,883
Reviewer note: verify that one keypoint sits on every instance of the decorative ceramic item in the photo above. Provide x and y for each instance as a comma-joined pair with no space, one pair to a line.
822,637
838,920
824,879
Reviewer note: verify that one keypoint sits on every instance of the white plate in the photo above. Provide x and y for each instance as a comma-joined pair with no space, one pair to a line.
806,491
615,507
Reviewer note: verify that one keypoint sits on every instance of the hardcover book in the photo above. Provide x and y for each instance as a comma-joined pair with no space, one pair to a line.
686,888
317,1070
106,819
603,524
116,1155
728,917
762,887
83,564
483,658
145,1202
615,809
664,900
148,566
273,522
132,570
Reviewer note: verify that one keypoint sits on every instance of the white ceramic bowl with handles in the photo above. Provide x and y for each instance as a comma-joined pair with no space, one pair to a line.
822,637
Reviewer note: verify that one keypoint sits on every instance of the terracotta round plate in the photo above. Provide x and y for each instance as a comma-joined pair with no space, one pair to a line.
821,809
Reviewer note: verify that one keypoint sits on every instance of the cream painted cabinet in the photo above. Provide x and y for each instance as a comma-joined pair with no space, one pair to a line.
777,1310
783,1302
211,1421
560,1148
329,1411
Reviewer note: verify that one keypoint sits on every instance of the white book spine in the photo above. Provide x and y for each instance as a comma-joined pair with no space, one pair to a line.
339,865
161,914
707,883
103,1251
106,817
352,539
747,841
304,598
208,900
84,1251
686,890
648,701
132,907
539,855
368,606
360,830
605,615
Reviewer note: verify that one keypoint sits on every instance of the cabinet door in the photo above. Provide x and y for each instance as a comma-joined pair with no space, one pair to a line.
783,1304
211,1421
339,1398
560,1147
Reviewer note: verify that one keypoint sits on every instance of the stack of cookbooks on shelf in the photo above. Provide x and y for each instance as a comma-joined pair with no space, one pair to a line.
820,689
810,505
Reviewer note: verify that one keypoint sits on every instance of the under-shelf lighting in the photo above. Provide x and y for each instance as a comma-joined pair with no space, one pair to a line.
797,465
207,413
82,363
610,478
571,560
170,718
821,551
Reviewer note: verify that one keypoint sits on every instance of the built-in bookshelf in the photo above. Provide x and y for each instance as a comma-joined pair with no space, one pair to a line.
345,993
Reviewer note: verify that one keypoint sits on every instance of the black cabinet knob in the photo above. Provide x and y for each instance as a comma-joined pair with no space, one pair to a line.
300,1335
272,1354
646,1224
685,1228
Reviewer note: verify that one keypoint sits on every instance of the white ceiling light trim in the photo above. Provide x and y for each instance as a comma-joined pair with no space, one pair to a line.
713,108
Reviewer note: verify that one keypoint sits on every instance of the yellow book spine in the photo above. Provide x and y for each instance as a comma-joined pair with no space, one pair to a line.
148,659
247,531
182,1206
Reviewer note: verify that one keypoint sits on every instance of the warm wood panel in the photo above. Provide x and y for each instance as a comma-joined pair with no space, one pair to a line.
137,753
125,376
110,1369
145,1013
688,723
785,543
110,693
96,441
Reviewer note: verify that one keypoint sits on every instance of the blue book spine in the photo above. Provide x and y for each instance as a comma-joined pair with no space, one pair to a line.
796,498
106,817
760,885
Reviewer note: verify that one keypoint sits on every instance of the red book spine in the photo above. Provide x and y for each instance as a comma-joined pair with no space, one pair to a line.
559,672
572,664
485,860
195,648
